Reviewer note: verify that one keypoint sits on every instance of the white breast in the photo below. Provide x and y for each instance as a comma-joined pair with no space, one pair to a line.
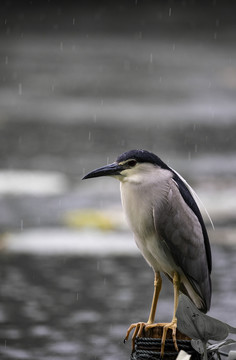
140,194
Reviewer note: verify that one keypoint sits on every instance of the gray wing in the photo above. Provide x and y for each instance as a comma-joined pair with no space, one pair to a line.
181,231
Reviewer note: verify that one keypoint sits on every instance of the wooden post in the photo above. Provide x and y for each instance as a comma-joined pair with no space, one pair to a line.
148,346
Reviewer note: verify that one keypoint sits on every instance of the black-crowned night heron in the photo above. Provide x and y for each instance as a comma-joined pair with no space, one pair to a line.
168,229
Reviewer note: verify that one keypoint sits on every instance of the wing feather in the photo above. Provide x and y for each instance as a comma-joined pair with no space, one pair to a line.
188,198
183,232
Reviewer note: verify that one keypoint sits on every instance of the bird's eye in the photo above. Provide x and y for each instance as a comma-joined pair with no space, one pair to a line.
131,163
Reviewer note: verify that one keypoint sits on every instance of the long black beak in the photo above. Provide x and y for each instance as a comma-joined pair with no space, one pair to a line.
107,170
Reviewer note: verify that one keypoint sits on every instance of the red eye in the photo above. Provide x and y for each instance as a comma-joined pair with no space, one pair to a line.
131,163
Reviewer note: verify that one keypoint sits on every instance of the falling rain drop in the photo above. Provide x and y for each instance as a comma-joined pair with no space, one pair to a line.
151,58
139,35
20,89
21,225
170,11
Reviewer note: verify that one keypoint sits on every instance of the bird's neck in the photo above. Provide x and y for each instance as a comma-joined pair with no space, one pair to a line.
139,196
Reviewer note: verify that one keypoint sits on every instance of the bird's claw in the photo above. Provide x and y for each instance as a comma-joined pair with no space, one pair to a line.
141,325
173,327
137,332
166,327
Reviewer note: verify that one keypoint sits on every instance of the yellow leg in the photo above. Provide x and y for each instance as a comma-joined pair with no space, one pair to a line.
140,325
157,290
173,324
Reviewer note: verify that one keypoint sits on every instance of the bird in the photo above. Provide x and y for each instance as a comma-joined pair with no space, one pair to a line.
168,229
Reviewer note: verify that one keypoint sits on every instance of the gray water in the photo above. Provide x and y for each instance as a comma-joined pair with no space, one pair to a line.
78,86
70,307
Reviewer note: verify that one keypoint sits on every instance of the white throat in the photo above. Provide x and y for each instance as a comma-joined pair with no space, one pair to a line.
140,174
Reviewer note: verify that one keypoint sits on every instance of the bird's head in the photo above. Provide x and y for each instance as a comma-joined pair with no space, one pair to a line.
133,163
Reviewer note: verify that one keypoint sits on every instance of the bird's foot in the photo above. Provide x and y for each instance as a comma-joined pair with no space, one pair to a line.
166,326
137,332
140,326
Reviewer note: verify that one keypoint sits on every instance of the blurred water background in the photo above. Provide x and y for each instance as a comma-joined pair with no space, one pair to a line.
80,84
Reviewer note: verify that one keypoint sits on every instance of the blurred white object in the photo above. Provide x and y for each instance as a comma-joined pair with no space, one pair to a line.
232,355
199,326
25,182
182,355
